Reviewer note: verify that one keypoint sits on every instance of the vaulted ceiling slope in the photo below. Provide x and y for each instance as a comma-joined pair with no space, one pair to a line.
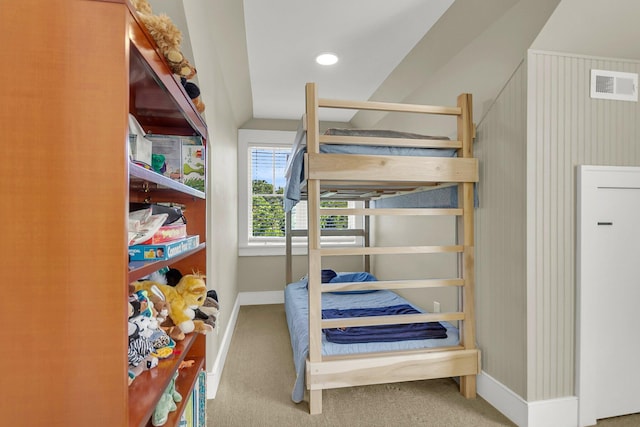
474,47
597,28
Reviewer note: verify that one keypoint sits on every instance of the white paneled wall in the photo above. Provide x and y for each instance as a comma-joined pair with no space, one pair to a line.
566,128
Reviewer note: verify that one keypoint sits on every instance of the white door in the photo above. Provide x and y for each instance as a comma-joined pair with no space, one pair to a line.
608,292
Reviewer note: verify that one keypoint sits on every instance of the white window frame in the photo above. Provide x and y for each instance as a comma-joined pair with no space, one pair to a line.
248,138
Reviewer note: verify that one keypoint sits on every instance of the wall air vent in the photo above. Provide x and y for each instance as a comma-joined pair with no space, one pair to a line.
614,85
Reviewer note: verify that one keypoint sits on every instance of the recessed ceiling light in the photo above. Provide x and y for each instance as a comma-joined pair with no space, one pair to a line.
326,59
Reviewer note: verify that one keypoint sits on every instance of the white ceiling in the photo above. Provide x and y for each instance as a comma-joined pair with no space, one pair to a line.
371,37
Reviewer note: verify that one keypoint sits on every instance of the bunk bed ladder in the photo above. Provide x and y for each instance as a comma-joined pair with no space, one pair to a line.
467,366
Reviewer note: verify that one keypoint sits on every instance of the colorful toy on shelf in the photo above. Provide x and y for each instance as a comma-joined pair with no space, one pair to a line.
147,341
188,295
139,352
209,309
166,404
194,93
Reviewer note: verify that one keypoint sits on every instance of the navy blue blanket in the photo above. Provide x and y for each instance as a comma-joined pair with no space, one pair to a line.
381,333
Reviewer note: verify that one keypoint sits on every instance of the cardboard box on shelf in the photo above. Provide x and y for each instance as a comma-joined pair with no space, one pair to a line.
193,166
167,233
180,158
163,251
167,155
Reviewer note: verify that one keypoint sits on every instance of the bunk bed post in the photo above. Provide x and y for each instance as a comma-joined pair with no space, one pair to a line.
367,239
313,241
466,202
288,248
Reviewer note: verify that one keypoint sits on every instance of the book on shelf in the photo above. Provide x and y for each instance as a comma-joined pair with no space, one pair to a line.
186,420
200,404
163,251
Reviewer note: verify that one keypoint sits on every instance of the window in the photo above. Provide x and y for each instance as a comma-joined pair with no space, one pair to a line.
262,162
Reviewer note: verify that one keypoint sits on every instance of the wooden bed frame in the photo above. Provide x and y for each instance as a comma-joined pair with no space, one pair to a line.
357,177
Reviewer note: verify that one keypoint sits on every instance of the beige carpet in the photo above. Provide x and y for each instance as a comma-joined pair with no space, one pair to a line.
256,384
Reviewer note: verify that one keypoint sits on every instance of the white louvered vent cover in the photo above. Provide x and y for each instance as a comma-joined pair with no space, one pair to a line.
614,85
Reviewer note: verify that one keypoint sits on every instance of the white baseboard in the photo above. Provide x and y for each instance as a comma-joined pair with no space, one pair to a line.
503,399
560,412
213,377
244,298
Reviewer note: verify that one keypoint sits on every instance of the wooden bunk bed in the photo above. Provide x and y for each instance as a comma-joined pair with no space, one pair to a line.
358,177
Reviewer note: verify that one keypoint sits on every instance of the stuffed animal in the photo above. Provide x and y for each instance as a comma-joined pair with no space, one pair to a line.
167,403
194,94
189,294
139,352
209,309
167,36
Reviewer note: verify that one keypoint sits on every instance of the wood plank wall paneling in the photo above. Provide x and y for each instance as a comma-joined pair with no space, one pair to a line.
565,128
500,146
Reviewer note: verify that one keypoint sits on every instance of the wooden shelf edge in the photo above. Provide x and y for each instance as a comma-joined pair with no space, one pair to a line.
145,391
163,181
141,269
185,384
147,48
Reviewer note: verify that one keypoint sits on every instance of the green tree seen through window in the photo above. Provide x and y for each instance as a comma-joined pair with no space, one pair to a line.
268,213
269,216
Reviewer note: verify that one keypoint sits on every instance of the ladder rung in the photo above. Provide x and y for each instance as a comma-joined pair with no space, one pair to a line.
391,284
391,211
400,319
389,250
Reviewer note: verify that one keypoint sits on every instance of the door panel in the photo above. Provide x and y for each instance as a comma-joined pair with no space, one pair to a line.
608,381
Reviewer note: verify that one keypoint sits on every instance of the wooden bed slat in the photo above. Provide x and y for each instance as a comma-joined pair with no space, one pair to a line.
394,168
391,284
351,356
401,319
389,106
393,368
390,250
390,142
391,211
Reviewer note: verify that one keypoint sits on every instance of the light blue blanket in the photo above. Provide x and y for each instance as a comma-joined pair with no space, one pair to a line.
297,313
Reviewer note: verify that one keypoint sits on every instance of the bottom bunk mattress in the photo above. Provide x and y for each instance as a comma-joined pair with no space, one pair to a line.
297,313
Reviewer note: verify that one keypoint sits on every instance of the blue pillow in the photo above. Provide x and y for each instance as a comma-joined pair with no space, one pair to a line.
330,276
354,277
327,275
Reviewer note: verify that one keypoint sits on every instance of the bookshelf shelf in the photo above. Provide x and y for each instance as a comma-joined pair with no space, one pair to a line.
140,269
146,180
146,390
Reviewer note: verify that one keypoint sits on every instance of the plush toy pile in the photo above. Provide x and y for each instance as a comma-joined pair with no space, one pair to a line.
188,295
168,38
162,311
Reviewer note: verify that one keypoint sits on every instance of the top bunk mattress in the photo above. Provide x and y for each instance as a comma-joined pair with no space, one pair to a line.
294,172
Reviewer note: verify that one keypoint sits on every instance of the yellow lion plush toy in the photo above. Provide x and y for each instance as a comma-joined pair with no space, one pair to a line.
168,38
189,294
